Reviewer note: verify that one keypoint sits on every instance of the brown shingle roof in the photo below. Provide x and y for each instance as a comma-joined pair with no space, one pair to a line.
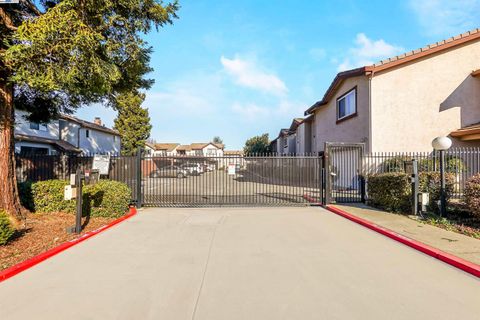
392,62
90,125
58,144
233,153
295,123
164,146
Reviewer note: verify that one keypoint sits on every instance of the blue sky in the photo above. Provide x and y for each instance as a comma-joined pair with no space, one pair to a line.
242,68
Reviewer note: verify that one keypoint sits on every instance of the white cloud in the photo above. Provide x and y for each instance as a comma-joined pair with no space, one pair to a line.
196,94
317,53
446,18
250,110
248,74
367,52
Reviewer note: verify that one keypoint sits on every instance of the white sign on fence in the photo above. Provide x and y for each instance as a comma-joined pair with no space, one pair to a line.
101,163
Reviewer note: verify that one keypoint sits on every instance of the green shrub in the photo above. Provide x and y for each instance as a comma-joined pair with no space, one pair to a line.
452,164
104,199
395,164
26,196
390,191
48,196
430,182
6,229
472,195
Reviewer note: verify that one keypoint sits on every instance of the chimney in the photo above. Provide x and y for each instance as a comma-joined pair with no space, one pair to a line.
97,121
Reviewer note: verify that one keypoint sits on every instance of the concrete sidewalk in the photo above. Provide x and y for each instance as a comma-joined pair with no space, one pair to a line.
240,263
462,246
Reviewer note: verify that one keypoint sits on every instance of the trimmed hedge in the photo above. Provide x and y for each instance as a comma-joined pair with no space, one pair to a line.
48,197
472,195
392,191
6,229
389,191
106,198
430,182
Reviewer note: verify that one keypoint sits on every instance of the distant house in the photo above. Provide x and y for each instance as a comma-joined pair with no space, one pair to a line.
204,149
67,134
286,141
404,102
161,149
280,143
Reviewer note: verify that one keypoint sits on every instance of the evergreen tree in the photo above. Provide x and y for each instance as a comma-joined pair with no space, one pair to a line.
132,122
217,140
257,144
59,55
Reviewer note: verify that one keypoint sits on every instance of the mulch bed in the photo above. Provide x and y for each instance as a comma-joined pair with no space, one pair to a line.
43,232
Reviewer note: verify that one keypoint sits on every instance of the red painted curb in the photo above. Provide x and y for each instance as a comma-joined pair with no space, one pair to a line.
452,260
22,266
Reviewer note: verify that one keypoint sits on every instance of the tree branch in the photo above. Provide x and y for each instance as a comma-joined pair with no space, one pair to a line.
6,20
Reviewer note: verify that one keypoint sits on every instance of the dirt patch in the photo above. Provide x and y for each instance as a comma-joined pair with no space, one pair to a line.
41,233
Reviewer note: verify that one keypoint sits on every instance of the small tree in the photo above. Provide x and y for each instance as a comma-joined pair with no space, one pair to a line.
217,140
132,122
257,144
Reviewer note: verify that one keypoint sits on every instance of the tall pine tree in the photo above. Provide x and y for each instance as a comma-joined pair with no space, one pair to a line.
132,122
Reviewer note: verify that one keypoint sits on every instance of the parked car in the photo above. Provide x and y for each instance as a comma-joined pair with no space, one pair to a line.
193,168
169,172
210,167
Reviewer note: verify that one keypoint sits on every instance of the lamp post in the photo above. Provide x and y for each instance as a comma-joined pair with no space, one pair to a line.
442,144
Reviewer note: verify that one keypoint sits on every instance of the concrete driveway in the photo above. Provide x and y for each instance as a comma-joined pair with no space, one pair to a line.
266,263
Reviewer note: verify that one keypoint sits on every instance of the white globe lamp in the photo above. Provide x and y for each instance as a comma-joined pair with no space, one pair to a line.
441,143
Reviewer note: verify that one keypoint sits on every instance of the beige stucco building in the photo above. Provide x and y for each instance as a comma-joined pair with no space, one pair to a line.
402,103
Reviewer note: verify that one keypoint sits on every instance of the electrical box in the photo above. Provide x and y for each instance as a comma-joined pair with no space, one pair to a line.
423,200
70,192
73,179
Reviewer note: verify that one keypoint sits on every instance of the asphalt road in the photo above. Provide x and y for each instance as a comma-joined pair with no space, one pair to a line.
267,263
218,187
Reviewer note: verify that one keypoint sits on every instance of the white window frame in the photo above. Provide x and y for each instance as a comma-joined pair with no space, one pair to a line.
351,92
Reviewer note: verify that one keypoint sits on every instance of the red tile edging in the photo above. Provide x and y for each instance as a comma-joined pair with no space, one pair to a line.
22,266
452,260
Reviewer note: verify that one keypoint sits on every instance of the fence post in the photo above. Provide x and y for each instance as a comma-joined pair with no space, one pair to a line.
362,189
139,178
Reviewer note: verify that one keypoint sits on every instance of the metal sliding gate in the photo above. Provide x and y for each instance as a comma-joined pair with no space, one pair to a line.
261,180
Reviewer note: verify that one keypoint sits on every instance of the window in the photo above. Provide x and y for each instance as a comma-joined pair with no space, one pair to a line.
38,126
347,105
33,151
87,133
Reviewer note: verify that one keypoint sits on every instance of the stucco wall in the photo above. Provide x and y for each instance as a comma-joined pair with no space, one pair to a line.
99,142
325,128
304,138
22,126
414,103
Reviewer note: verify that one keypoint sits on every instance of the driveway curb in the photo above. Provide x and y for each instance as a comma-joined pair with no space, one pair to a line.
22,266
452,260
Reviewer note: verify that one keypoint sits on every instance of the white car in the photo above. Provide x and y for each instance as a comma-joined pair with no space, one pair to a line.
193,168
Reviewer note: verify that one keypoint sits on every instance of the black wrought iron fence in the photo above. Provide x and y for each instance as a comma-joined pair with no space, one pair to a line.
46,167
462,163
